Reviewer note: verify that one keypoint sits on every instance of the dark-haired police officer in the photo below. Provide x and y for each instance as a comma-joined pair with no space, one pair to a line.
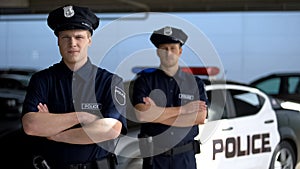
170,104
73,108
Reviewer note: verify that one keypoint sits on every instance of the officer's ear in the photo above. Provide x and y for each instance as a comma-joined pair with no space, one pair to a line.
89,35
57,37
180,50
159,52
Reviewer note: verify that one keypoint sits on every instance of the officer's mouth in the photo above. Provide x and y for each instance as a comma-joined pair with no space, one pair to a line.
72,51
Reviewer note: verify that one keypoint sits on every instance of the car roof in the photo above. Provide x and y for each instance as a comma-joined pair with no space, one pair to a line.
274,75
20,71
222,81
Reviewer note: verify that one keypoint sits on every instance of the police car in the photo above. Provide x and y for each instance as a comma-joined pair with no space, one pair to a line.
241,129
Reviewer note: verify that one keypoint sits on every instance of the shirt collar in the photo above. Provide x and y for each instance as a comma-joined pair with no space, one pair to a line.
86,72
180,75
62,70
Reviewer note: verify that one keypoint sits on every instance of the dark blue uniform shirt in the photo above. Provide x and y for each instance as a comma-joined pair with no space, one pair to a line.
90,89
168,91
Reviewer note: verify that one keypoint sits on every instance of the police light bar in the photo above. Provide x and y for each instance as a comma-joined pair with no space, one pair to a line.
206,71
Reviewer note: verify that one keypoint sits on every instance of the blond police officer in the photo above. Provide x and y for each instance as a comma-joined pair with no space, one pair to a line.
74,108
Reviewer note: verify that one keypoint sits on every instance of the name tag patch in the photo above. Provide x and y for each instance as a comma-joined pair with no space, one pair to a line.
91,106
186,96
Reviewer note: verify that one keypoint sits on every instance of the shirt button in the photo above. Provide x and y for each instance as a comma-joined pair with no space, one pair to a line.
73,101
172,133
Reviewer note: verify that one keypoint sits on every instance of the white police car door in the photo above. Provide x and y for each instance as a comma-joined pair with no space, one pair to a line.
241,129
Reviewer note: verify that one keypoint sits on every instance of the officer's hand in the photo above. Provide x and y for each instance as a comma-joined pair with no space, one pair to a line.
149,101
86,118
151,106
193,107
42,108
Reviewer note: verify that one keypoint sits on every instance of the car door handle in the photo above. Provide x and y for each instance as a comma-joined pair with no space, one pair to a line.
227,129
269,121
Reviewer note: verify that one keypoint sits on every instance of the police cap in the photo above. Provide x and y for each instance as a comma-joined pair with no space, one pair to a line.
168,35
72,17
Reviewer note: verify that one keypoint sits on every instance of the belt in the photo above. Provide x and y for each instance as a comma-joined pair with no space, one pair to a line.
99,164
83,166
194,145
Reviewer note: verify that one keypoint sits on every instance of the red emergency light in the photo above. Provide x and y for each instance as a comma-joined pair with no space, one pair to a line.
205,71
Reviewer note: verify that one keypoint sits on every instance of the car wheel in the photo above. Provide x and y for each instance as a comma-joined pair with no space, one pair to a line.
284,157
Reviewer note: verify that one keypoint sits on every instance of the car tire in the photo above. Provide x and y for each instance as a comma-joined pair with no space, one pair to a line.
283,157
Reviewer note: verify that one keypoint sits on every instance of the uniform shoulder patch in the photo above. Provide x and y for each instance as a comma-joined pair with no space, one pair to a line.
120,96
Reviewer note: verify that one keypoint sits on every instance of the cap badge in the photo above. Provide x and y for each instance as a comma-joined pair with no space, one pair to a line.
167,31
68,11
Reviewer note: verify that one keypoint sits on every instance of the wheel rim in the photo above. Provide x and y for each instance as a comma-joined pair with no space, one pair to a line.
284,159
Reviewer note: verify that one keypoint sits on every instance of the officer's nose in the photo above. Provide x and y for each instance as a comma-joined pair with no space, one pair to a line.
168,52
72,42
165,52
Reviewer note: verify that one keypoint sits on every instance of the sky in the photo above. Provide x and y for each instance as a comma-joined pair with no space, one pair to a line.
244,45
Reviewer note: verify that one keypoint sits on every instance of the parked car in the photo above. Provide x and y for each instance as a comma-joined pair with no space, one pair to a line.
241,130
284,89
12,94
13,141
284,86
287,153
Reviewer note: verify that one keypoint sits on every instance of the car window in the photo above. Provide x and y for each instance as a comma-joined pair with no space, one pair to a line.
294,85
217,105
246,103
270,86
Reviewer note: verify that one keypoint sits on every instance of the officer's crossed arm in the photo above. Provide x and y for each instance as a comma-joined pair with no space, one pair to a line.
98,131
57,126
190,114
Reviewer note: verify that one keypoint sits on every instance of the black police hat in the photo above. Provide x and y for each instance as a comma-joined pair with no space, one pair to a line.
168,35
72,17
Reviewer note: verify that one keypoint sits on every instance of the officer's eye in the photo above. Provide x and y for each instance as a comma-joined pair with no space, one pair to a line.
65,37
79,37
163,49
